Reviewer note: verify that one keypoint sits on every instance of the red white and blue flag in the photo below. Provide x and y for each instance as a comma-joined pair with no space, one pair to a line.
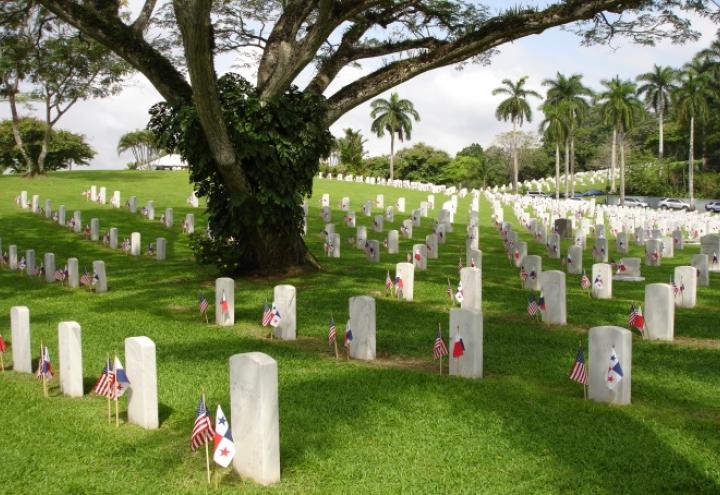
122,383
202,432
439,347
267,315
578,373
458,347
105,386
276,318
460,294
615,372
224,447
202,304
532,307
3,345
585,282
636,319
348,336
44,366
388,281
332,332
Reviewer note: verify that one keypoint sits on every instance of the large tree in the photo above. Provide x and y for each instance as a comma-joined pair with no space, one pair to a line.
47,62
516,109
143,146
657,86
254,148
555,130
394,116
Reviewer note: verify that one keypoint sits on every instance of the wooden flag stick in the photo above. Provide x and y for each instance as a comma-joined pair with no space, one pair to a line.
207,448
337,356
44,375
117,418
107,363
2,361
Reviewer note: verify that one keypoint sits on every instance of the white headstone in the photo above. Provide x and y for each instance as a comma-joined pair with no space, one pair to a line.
373,251
468,325
113,238
94,229
135,245
393,244
701,264
49,262
285,303
334,242
668,248
602,342
471,279
150,210
77,218
225,316
30,262
420,256
378,223
431,241
168,218
20,334
190,223
48,208
255,416
406,271
73,273
519,252
70,358
659,312
61,215
653,252
12,257
141,370
100,277
575,260
532,266
160,249
474,257
553,286
362,323
400,204
686,282
601,281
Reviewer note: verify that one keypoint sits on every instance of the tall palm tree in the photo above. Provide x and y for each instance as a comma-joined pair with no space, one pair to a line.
657,87
620,108
691,103
554,127
570,95
516,109
393,116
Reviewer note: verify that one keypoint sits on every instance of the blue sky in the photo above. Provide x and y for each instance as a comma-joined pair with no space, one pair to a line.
456,107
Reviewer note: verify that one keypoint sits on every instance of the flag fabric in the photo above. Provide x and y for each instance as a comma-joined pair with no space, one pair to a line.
121,380
578,373
439,347
202,432
348,336
458,347
523,275
60,275
22,264
388,281
224,447
3,345
450,290
399,284
585,282
460,294
541,301
44,366
203,304
532,307
332,332
599,282
267,315
615,372
85,278
276,318
95,278
105,386
472,263
224,304
675,288
460,265
636,319
418,255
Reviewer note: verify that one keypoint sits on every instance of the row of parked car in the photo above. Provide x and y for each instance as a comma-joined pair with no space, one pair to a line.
664,204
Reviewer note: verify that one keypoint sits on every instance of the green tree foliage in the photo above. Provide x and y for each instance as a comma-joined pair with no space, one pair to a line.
351,148
143,146
656,87
421,163
65,148
395,117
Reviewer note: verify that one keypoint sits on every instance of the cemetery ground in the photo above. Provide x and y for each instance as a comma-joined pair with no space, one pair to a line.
346,427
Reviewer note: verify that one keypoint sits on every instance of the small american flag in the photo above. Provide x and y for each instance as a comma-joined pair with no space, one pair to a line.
388,281
105,386
126,245
44,366
267,315
523,275
203,304
532,307
59,275
202,432
85,278
585,282
439,347
578,373
3,345
332,332
460,294
636,319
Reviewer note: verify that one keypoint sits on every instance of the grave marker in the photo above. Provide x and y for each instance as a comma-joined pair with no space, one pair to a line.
70,358
142,405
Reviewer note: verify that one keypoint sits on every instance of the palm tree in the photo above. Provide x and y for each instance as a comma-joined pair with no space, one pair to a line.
555,129
691,103
142,144
569,94
393,116
659,84
620,108
516,109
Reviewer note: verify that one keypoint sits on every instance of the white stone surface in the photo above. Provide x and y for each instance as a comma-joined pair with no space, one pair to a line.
255,417
406,271
168,218
94,229
77,217
20,334
575,262
659,312
225,285
141,370
470,326
601,281
30,261
285,300
602,341
101,284
49,262
73,273
532,265
113,238
701,263
161,249
373,251
686,279
431,241
362,323
135,244
12,257
519,252
393,242
653,252
553,286
70,358
420,256
474,256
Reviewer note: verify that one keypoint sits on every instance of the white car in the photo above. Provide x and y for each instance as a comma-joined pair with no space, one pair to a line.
634,202
673,204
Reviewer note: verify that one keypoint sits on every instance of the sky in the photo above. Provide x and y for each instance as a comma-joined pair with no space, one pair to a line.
456,106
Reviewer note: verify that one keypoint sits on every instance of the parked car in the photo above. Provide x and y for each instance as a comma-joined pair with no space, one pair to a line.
593,192
537,194
713,206
673,204
633,202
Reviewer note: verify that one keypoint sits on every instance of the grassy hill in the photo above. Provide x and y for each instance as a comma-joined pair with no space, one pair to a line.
390,426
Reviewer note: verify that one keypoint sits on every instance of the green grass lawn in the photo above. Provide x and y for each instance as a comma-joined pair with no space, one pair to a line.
390,426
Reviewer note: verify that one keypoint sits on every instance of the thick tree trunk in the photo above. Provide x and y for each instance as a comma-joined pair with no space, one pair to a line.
613,162
691,163
572,166
567,168
46,139
557,171
661,124
515,159
392,155
15,122
621,137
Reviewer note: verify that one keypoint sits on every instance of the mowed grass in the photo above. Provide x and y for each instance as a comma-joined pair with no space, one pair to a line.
390,426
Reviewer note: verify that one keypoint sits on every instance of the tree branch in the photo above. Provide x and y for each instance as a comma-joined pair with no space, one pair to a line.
143,19
501,29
